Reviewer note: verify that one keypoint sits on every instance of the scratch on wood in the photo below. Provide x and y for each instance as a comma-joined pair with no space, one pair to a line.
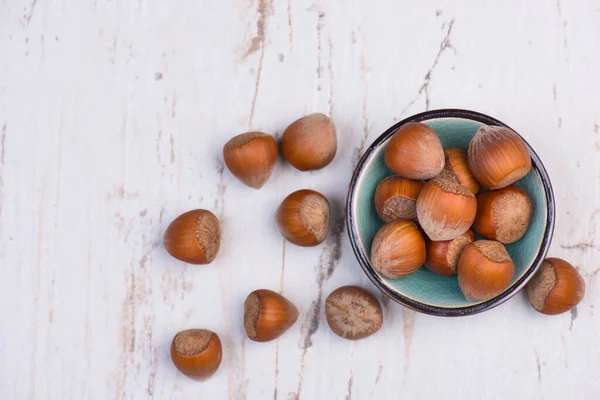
328,261
573,317
597,133
445,45
357,152
554,91
320,18
379,372
408,330
281,281
2,144
539,366
276,370
593,275
242,381
291,28
88,305
29,12
174,105
172,142
349,387
158,138
38,283
221,188
583,247
256,86
264,9
330,69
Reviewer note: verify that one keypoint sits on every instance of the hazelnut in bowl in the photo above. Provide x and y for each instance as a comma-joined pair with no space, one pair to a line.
450,212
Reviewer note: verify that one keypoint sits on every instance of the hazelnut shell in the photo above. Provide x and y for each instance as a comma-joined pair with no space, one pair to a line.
484,270
498,157
194,237
251,157
310,143
197,353
443,256
457,162
398,249
268,315
303,218
556,287
396,198
503,214
415,152
445,208
353,313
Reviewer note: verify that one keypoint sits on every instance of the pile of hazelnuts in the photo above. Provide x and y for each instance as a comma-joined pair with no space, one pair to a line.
194,237
430,208
434,203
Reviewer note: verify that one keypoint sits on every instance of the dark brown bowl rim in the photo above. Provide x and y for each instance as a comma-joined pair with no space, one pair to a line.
447,311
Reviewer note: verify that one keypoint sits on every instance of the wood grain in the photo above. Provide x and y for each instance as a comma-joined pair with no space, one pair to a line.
113,115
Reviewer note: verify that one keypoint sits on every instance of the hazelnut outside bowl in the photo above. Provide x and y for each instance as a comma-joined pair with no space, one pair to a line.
425,291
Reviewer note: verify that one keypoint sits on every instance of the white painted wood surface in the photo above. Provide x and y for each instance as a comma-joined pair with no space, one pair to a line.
113,115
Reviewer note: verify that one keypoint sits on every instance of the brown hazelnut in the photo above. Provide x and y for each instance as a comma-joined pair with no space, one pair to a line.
484,270
445,208
197,353
396,198
456,161
503,214
556,287
310,143
268,315
498,157
251,157
443,256
194,237
353,313
398,249
303,218
415,152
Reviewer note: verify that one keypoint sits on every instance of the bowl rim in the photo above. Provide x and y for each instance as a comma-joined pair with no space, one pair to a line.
437,310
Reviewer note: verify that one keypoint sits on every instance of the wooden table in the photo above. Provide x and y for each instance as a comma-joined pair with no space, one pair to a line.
113,115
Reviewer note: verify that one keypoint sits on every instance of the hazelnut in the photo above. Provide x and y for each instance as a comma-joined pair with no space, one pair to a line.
194,237
484,270
398,249
268,315
303,218
415,152
353,313
456,161
503,214
498,157
445,208
309,143
251,157
396,198
556,287
197,353
442,257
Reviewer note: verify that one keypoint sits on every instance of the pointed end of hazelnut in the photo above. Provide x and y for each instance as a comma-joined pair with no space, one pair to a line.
268,315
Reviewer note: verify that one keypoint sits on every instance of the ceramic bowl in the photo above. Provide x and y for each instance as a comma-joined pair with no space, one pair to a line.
424,290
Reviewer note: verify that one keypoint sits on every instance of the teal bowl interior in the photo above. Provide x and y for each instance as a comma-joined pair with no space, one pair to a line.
424,290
